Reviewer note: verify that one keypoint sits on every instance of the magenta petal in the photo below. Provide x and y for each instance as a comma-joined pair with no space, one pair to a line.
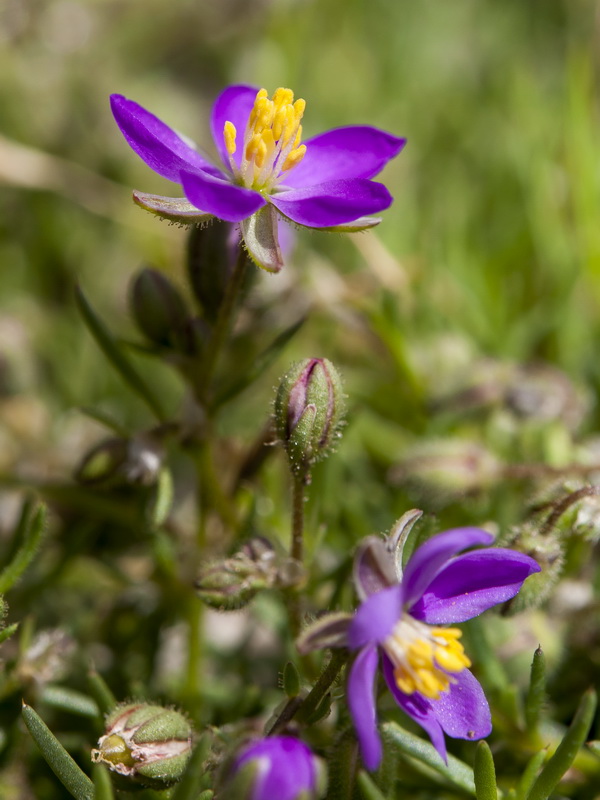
333,202
375,618
429,558
361,702
232,105
463,711
220,197
353,152
418,708
472,583
155,143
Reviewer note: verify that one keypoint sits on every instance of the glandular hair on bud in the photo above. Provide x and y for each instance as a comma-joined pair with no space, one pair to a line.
146,743
309,409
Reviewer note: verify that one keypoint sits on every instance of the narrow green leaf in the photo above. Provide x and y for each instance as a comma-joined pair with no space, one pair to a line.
8,632
368,789
260,364
537,690
188,786
102,783
456,772
105,419
69,700
485,773
573,740
60,762
34,530
530,774
114,353
103,696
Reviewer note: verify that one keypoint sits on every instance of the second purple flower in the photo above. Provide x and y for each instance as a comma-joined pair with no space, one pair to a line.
400,627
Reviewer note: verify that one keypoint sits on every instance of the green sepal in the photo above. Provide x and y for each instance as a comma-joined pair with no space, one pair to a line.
567,750
291,679
485,773
114,353
456,772
60,762
173,209
260,235
360,224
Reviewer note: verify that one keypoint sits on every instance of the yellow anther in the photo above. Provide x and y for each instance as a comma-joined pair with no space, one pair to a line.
229,134
298,138
299,107
283,96
294,158
451,661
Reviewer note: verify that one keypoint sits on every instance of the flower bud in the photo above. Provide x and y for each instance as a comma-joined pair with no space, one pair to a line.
212,251
147,743
233,582
119,461
276,768
309,408
157,307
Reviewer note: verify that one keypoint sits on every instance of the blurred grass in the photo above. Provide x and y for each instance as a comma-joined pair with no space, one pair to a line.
491,249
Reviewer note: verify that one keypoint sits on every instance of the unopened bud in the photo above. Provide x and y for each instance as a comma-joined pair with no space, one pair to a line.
233,582
158,307
118,461
212,251
548,550
147,743
309,409
278,767
446,469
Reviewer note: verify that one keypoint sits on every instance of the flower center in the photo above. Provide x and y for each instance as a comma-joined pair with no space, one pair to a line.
271,140
423,656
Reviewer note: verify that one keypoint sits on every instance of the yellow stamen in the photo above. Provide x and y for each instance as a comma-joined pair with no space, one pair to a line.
423,656
229,134
272,140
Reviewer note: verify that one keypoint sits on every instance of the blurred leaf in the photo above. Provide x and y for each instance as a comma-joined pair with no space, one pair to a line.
8,632
59,761
573,740
485,773
115,354
31,527
530,774
69,700
456,772
103,696
102,783
260,364
368,789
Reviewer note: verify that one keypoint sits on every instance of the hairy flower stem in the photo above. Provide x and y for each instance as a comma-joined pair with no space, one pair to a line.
297,550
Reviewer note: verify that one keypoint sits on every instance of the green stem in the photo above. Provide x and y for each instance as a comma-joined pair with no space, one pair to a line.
223,323
298,497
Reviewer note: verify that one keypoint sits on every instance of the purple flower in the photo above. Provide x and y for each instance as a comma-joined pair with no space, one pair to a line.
266,171
399,627
279,768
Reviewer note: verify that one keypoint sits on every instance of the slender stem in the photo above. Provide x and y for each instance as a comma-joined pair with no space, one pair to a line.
298,497
223,322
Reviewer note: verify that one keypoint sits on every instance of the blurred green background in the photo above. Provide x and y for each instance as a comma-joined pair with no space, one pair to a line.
466,325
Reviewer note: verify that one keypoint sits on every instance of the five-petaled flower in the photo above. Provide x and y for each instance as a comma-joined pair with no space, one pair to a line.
400,625
266,171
